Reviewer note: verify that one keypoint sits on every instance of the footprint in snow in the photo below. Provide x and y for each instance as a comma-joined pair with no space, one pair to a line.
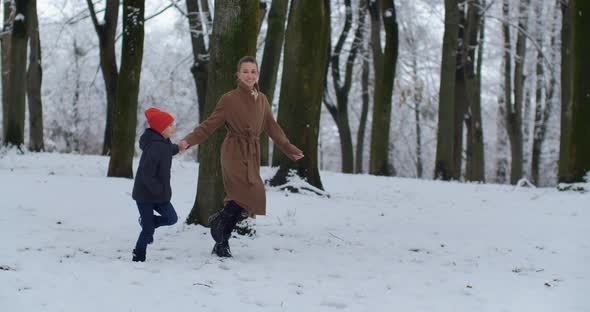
337,305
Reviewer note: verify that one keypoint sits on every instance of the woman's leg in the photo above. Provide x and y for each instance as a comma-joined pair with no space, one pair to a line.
222,224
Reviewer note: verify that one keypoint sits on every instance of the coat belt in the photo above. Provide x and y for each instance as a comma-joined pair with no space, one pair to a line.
249,146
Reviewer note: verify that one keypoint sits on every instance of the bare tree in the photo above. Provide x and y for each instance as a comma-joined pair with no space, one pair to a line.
270,61
34,79
444,164
15,125
579,166
199,21
544,104
384,64
339,110
474,38
360,136
566,92
306,43
106,32
5,50
514,109
123,143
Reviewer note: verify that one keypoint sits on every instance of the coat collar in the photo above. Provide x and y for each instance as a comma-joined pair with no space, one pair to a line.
250,91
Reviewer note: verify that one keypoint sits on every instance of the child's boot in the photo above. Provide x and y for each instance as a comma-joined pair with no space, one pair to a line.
138,255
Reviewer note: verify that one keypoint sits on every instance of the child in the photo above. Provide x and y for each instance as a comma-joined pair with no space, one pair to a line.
151,189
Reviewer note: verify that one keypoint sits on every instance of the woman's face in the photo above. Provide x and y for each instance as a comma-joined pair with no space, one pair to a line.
248,74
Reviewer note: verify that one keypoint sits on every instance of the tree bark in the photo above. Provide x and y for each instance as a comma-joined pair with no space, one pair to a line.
106,32
444,165
475,163
566,92
542,113
5,50
384,62
514,112
123,143
270,62
235,30
461,96
15,125
417,96
197,26
34,79
580,131
305,57
505,101
360,137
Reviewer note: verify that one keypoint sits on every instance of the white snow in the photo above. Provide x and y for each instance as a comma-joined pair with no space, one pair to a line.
376,244
19,17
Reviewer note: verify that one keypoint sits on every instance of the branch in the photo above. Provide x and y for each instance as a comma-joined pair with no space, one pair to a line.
528,36
335,58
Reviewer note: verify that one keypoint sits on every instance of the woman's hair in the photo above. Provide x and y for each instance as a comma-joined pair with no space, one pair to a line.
246,59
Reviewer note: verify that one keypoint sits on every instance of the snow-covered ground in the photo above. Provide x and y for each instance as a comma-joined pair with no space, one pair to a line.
376,244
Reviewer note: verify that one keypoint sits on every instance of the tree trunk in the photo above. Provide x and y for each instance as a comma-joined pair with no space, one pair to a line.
580,149
461,101
501,142
384,62
123,147
305,57
5,50
106,32
514,112
504,101
270,62
539,86
15,125
197,26
339,111
444,165
475,164
360,137
262,15
34,78
542,114
566,93
418,91
235,29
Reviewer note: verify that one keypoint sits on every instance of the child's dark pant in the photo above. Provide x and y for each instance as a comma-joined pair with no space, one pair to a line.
149,221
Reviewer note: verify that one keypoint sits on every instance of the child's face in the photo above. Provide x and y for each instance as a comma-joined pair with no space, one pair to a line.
169,131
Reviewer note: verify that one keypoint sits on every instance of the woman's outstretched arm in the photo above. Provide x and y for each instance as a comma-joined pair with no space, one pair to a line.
276,133
207,127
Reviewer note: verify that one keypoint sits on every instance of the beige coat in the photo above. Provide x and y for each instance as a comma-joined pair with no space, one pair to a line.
245,114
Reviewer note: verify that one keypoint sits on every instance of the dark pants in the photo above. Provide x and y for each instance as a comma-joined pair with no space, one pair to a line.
149,221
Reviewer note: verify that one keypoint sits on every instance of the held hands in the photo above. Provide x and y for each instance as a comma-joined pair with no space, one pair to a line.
183,145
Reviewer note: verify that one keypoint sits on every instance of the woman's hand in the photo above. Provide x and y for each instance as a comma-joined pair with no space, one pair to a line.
294,153
296,157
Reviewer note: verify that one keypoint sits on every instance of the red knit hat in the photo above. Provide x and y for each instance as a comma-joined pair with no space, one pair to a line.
158,119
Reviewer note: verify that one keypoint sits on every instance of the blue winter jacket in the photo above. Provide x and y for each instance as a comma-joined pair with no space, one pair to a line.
152,180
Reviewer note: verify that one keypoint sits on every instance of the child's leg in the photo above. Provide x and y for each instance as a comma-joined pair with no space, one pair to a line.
147,225
167,215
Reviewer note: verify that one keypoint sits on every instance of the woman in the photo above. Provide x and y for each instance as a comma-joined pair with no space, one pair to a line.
245,111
